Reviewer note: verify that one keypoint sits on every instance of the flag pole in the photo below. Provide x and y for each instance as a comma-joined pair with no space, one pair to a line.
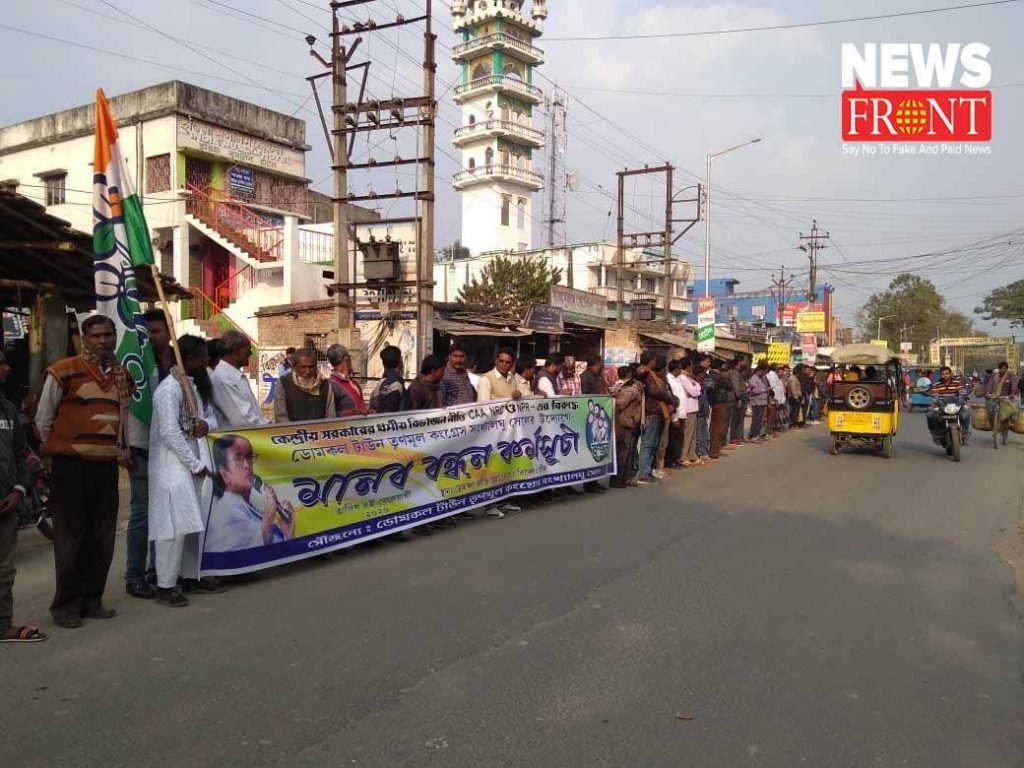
191,406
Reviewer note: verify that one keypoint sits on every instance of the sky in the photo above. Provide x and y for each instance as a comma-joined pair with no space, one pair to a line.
954,219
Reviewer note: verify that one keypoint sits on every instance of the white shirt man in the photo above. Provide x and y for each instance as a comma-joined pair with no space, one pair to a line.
179,468
233,398
676,386
775,385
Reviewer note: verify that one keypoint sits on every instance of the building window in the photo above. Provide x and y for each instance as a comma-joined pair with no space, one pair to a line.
506,204
521,213
489,157
317,342
158,173
522,246
732,311
472,163
56,188
759,311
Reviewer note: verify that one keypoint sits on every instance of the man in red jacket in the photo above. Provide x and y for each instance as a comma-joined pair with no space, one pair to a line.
347,394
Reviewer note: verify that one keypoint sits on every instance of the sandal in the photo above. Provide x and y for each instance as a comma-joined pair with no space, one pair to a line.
27,634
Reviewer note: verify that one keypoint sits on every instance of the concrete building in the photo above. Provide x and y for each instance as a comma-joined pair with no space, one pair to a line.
758,306
590,267
224,188
498,136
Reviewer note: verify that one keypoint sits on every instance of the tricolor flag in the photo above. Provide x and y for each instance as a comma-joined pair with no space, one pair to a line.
120,245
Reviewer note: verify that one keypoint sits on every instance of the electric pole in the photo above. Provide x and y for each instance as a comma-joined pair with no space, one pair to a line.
664,238
352,118
780,292
811,244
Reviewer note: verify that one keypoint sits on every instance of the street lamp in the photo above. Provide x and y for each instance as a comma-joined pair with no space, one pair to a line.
883,317
707,218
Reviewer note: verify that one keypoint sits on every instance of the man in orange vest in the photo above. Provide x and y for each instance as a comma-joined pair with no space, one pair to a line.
82,421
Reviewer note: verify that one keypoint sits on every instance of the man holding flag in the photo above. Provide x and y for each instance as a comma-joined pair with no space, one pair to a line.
94,406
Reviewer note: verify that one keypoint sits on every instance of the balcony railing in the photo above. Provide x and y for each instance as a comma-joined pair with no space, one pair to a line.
610,292
501,83
510,127
492,172
499,40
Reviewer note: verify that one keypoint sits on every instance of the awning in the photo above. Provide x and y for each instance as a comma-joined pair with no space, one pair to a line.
683,342
39,252
463,328
733,345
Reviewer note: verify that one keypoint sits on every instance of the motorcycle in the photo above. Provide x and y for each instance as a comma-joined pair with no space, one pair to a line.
34,507
944,424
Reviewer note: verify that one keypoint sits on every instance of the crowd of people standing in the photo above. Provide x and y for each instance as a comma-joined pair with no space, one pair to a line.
689,412
669,415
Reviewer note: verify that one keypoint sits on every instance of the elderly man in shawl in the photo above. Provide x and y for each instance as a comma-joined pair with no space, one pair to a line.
303,394
179,480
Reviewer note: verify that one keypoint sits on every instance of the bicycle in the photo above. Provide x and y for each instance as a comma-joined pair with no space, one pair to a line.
999,424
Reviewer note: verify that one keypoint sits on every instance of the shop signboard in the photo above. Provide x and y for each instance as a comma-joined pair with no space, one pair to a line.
706,325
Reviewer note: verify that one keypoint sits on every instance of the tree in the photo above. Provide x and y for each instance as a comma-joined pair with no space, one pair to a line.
912,309
510,285
1006,303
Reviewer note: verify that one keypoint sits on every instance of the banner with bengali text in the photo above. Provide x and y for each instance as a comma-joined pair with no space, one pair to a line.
292,491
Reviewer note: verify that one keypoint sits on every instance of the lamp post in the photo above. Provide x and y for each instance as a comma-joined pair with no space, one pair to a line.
707,218
883,317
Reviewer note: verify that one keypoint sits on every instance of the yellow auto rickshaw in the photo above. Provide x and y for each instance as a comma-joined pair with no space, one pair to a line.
863,397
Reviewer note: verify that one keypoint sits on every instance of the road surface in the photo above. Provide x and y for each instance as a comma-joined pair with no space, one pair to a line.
782,608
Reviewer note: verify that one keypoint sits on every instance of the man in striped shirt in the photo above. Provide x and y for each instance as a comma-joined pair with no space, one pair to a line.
948,387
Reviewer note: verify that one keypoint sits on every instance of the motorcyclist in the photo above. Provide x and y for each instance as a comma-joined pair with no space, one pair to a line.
948,387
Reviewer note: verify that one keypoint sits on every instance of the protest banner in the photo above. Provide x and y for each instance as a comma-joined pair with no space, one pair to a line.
292,491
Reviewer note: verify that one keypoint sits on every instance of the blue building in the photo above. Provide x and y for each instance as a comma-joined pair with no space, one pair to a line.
760,306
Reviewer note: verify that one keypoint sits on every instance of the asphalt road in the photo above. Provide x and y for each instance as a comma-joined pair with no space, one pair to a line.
783,608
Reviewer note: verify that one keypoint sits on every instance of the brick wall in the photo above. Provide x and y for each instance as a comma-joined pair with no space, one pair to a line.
287,324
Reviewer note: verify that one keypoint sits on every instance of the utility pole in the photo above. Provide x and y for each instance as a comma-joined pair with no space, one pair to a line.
811,244
666,250
351,118
780,291
664,238
425,251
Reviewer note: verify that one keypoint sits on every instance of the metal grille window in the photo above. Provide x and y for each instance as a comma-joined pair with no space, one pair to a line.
506,204
56,187
158,173
317,342
732,311
758,311
197,173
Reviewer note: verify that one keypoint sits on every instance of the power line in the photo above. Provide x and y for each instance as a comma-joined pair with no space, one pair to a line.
781,27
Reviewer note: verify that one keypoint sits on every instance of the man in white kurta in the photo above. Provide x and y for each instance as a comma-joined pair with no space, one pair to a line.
180,477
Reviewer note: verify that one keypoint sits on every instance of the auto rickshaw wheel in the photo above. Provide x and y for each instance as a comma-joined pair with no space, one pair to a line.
859,398
887,446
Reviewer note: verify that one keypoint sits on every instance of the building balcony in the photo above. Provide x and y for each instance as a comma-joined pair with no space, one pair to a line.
499,41
507,84
486,174
676,303
499,129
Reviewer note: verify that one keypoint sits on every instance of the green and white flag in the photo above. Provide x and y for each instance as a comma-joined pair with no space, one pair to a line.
121,244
